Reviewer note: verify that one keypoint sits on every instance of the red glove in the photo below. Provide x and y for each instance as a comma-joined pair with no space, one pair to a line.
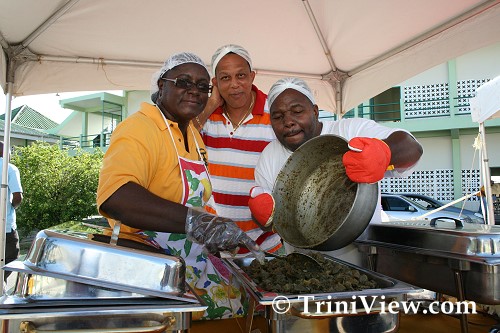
261,204
367,160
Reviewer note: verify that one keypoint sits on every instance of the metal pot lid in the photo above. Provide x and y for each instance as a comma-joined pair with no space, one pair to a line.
84,261
316,201
442,237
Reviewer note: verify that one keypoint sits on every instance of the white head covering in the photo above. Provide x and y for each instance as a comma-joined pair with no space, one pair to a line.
174,61
289,83
230,48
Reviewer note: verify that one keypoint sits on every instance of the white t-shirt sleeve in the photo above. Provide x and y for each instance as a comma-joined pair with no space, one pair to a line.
269,165
359,127
14,179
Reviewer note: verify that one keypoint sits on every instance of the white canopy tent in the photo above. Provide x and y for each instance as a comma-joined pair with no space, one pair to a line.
347,51
486,105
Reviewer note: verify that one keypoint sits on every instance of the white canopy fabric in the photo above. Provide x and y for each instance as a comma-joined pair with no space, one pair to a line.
348,51
486,104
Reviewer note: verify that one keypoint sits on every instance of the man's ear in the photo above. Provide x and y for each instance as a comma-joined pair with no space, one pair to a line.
316,110
252,75
214,81
160,84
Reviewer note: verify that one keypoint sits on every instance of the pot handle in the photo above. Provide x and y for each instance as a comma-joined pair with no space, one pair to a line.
116,233
168,322
458,224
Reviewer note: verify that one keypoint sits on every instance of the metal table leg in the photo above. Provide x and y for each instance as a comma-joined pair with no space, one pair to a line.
249,320
276,321
459,266
461,297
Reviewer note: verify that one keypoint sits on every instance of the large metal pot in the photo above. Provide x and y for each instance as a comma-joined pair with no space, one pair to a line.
317,206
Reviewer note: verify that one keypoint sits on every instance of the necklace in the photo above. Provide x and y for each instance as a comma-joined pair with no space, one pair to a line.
243,118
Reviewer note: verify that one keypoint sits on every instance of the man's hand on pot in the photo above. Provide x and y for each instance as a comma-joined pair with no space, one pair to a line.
261,204
367,160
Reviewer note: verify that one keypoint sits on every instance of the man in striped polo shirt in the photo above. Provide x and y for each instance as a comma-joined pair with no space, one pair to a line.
236,127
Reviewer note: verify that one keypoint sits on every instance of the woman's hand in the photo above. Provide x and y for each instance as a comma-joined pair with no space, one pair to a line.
217,233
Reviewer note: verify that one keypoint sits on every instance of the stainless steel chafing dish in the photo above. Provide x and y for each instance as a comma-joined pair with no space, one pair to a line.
81,260
390,288
68,282
461,260
429,253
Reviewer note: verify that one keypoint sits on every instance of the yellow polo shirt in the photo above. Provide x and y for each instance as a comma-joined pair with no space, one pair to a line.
141,151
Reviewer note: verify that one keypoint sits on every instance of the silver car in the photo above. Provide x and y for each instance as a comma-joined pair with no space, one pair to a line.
398,207
431,203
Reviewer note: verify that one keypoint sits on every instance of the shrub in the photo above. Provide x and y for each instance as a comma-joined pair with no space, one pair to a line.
57,187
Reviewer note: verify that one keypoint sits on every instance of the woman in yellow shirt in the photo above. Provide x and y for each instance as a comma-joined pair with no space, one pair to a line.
155,182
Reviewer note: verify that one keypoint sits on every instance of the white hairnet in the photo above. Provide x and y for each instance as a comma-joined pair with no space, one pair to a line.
230,48
174,61
289,83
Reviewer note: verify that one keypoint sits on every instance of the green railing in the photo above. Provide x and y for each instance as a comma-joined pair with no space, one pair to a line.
380,112
393,112
85,141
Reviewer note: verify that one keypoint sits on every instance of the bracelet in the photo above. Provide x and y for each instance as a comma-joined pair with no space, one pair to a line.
198,122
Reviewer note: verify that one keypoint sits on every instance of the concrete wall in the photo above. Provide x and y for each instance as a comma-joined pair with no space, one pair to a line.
135,98
483,63
437,154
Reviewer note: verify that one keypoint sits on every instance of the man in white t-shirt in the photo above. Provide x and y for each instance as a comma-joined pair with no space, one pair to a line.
376,151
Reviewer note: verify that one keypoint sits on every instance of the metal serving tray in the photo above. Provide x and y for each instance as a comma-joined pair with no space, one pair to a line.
148,315
388,286
461,261
446,238
92,263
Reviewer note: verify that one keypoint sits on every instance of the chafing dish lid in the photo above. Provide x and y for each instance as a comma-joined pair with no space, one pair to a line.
84,261
475,241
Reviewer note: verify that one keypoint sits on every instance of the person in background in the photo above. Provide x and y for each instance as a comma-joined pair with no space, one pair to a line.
154,181
236,127
495,190
15,197
375,150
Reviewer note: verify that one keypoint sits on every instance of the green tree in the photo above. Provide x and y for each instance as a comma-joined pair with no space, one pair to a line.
57,187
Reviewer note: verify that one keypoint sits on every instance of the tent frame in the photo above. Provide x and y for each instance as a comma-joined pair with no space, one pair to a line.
486,177
337,79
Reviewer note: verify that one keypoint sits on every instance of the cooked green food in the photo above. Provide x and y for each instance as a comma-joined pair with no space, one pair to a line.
284,276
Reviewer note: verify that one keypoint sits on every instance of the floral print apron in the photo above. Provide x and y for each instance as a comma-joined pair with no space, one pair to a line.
206,275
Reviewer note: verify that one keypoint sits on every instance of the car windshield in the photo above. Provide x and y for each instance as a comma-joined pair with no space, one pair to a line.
398,203
419,205
427,205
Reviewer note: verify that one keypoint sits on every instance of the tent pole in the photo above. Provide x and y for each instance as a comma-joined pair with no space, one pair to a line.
338,75
4,200
319,34
4,187
490,217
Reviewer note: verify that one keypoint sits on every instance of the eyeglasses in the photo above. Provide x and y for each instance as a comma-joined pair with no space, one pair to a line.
186,84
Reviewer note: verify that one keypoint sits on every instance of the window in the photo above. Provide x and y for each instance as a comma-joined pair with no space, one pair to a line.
395,204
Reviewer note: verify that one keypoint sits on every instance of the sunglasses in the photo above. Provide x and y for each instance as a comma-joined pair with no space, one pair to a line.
186,84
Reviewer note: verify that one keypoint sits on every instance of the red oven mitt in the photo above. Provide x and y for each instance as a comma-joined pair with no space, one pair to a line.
261,204
367,160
